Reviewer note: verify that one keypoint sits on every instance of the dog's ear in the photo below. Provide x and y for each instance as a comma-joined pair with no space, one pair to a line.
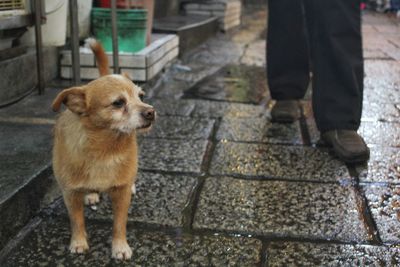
126,75
74,98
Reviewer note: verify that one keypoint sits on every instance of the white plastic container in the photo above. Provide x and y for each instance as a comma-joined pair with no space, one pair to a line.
54,32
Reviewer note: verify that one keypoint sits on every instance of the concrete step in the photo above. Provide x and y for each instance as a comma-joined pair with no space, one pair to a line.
25,157
191,29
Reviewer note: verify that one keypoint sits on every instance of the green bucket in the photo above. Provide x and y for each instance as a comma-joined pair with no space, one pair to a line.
131,24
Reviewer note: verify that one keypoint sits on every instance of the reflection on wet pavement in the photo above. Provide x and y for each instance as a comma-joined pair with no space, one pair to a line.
269,161
234,83
282,209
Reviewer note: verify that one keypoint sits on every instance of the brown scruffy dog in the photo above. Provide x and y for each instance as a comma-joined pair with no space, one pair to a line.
95,149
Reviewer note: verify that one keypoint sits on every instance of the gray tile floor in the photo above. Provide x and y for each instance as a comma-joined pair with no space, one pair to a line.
221,185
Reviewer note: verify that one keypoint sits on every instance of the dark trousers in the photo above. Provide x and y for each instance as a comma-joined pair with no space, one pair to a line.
322,37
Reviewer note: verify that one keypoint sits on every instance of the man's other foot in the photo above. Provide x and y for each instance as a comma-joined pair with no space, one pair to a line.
286,111
348,145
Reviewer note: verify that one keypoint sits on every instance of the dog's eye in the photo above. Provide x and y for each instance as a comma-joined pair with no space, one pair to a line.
141,96
119,103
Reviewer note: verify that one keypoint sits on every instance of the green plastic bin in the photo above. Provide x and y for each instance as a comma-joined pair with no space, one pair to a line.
131,25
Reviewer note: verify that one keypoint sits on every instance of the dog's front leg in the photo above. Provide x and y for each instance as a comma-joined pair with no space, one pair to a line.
121,199
74,203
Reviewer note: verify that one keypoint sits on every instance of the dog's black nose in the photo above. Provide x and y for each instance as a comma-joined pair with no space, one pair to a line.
149,114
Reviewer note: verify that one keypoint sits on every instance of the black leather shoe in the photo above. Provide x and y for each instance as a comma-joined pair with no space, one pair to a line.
286,111
347,145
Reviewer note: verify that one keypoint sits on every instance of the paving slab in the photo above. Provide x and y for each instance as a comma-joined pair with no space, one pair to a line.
218,109
384,203
382,81
18,170
47,245
195,72
216,52
234,83
254,55
25,155
173,127
172,107
259,130
375,54
23,184
172,155
380,133
377,46
280,209
168,88
378,110
374,18
207,108
387,28
386,92
383,166
316,254
277,162
37,106
25,150
159,199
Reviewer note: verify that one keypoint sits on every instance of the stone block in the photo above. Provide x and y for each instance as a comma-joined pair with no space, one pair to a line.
277,162
280,209
259,130
159,199
384,204
317,254
382,167
48,245
172,127
172,155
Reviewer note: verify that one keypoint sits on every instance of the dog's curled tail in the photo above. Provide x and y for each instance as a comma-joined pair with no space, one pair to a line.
100,54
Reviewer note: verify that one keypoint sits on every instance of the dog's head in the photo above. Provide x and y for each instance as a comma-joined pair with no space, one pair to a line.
110,102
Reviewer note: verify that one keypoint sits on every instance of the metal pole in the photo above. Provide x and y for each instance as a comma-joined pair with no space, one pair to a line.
39,45
76,68
114,35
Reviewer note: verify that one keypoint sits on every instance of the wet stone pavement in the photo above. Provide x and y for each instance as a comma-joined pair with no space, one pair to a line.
221,185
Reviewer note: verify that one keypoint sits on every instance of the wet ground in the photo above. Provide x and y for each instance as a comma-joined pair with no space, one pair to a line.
221,185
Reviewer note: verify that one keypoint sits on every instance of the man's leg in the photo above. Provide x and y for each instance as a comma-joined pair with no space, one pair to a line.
336,52
337,63
287,57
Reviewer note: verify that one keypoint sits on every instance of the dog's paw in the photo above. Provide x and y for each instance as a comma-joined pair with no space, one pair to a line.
92,199
133,188
121,250
78,246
